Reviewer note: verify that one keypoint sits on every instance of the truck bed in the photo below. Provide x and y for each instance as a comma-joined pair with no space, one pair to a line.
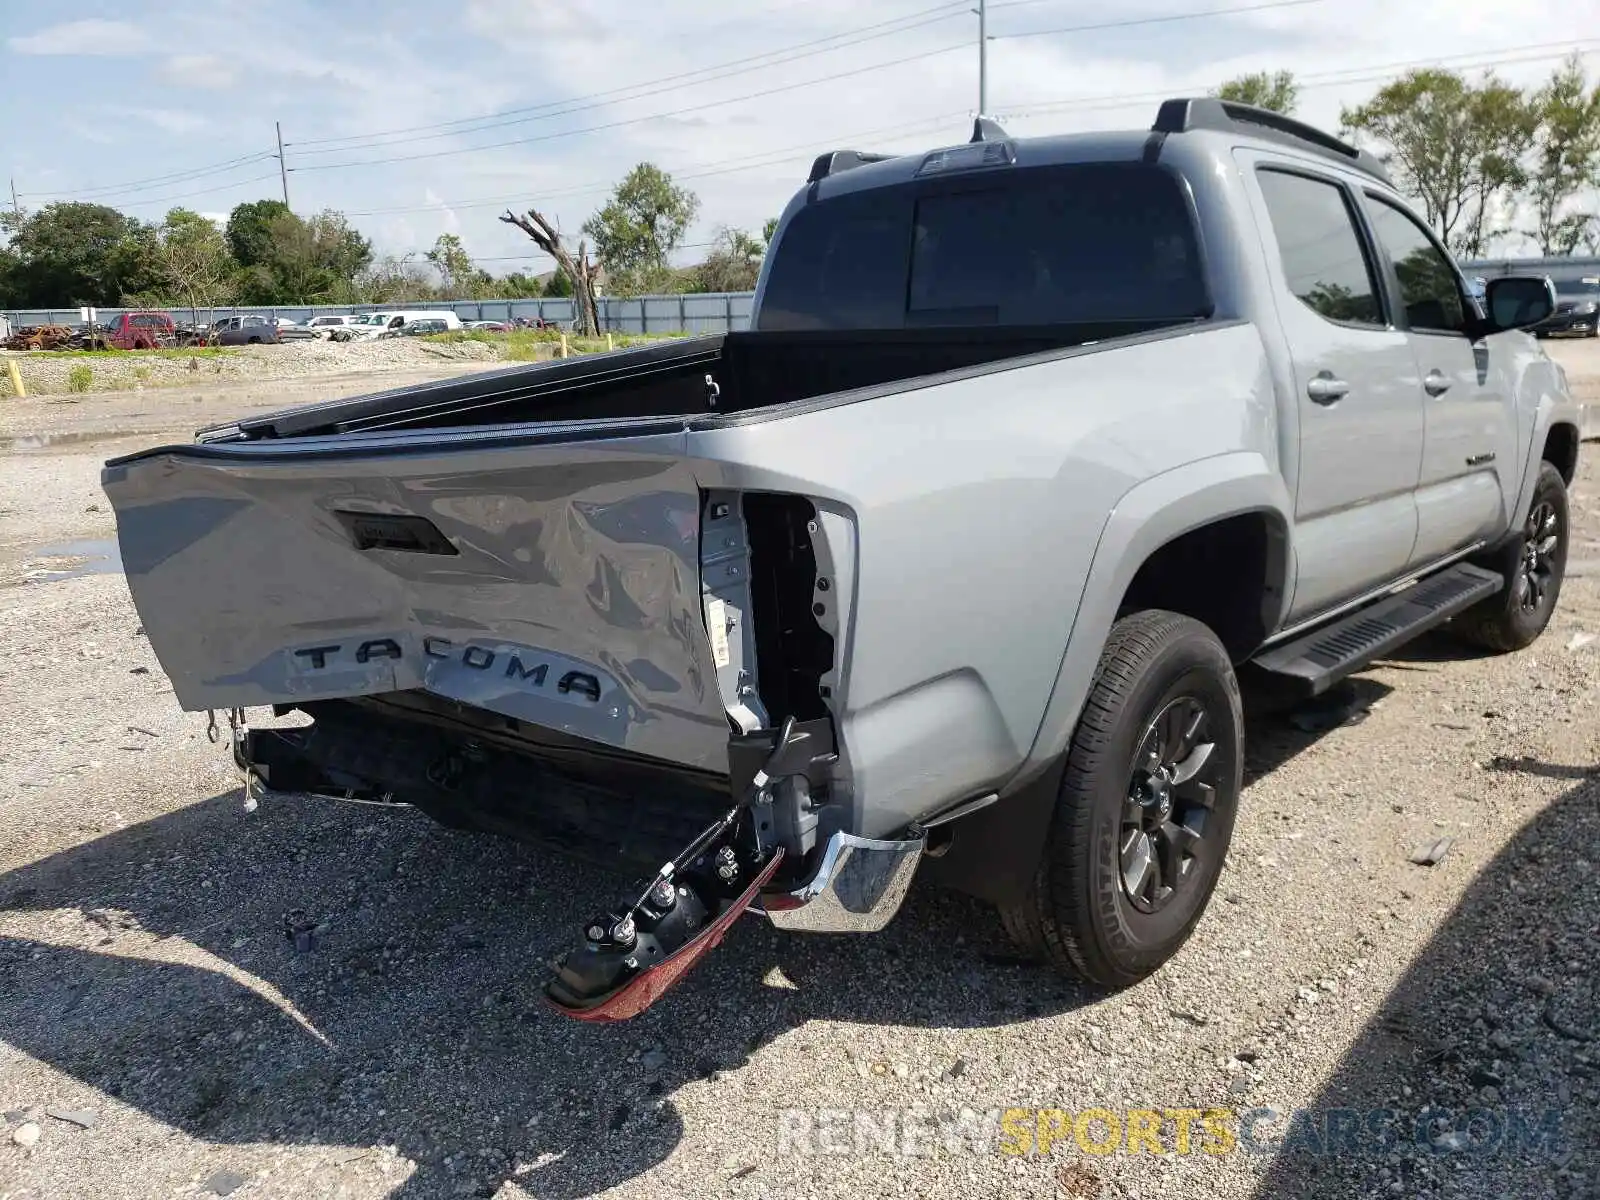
728,373
542,550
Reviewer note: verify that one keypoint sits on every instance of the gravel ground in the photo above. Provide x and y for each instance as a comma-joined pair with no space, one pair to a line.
159,1036
45,372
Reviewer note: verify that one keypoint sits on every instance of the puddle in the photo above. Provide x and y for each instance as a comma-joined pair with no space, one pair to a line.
99,556
24,442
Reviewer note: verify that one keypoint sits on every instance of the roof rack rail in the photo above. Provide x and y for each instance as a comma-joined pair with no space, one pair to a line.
1208,112
835,161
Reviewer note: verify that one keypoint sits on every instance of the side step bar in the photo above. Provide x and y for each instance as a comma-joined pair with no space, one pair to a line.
1315,661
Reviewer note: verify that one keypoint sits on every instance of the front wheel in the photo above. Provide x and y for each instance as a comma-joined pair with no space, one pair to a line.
1534,564
1146,808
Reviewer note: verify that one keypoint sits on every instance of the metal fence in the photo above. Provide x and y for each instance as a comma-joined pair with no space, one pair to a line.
1560,270
703,312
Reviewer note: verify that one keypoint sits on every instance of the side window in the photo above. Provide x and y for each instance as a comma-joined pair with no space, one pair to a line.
1323,259
1428,286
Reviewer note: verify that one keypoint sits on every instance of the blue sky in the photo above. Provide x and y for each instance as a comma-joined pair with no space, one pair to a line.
149,106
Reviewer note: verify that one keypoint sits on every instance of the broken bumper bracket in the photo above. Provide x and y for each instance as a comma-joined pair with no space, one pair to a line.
858,886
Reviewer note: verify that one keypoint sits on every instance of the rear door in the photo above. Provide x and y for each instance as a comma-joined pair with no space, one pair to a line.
1356,385
1470,460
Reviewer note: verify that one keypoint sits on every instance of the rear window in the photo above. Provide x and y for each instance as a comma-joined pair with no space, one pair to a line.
1040,246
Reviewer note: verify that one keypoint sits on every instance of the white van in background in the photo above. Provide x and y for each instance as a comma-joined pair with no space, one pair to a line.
395,320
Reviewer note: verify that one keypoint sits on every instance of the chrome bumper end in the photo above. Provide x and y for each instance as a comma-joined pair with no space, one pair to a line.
857,887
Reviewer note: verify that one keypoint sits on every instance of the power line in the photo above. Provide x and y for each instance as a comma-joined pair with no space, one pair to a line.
1367,74
693,108
583,103
553,109
173,177
808,149
205,192
1164,20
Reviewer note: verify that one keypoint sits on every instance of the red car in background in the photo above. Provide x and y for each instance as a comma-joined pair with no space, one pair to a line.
140,331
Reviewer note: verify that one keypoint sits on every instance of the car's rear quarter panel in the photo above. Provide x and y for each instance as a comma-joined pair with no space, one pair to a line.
977,507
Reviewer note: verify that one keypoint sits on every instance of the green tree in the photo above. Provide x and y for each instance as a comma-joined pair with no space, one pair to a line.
559,285
194,261
1277,91
385,281
450,258
518,285
732,265
768,231
249,230
1455,147
295,260
1566,158
638,229
75,253
340,249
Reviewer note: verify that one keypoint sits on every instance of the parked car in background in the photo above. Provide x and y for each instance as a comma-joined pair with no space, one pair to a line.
329,321
249,329
420,328
138,331
379,323
489,326
1577,309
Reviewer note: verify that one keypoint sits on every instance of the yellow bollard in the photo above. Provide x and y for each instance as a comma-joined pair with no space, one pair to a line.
610,345
16,379
563,345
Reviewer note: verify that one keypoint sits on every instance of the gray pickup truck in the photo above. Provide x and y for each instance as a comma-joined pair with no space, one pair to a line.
955,558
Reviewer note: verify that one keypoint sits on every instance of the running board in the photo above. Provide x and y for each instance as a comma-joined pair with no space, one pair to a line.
1316,661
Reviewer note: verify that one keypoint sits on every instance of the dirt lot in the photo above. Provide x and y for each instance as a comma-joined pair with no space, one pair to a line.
159,1036
47,373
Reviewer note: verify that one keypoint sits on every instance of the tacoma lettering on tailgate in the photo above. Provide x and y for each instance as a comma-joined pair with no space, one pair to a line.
529,668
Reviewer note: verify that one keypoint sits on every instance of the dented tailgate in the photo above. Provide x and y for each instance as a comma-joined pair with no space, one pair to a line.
550,577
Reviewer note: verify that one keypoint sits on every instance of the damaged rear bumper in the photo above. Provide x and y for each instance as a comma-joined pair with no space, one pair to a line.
857,886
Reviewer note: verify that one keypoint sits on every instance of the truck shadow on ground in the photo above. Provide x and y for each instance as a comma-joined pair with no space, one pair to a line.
155,969
1499,1016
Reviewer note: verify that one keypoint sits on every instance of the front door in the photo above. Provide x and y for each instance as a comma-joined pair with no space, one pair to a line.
1469,451
1358,394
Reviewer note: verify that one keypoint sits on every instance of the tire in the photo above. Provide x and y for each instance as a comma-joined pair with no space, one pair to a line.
1091,911
255,341
1514,617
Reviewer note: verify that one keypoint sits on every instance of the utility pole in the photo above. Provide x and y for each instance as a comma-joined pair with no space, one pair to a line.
15,207
983,57
283,171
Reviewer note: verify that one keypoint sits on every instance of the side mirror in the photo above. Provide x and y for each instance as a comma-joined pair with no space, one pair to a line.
1518,301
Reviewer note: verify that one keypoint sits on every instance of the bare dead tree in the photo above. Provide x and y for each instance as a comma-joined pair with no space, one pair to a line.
580,270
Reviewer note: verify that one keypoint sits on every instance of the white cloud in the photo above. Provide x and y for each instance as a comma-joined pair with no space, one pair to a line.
452,223
117,39
198,71
90,133
742,139
169,120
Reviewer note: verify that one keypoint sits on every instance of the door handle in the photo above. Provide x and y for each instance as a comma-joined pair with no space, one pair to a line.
1436,383
1323,388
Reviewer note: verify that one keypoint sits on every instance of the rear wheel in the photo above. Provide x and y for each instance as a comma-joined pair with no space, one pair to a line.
1146,808
1534,564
